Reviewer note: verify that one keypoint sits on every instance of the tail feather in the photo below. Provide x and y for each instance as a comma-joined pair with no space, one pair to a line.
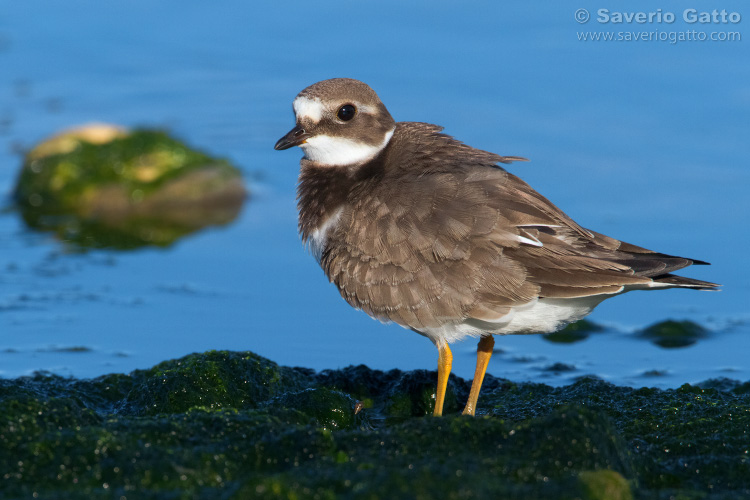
682,282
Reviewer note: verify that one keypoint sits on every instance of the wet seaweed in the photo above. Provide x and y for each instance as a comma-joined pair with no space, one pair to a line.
236,425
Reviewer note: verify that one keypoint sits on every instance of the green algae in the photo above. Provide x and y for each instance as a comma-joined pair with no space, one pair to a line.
604,485
104,187
141,160
216,379
671,333
574,332
236,425
328,408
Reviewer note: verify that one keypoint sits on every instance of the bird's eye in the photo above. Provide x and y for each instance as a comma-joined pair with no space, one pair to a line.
346,112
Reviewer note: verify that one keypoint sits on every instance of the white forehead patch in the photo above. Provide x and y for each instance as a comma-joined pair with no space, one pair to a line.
311,109
339,151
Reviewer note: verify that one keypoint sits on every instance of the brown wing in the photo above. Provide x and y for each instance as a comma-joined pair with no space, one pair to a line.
443,238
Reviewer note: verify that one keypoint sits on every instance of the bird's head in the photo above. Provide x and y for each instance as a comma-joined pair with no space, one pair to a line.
339,122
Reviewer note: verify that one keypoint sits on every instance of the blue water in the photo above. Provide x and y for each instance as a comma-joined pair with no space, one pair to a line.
644,141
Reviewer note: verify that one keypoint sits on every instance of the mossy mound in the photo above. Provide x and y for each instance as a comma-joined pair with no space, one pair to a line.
236,425
670,334
103,186
574,332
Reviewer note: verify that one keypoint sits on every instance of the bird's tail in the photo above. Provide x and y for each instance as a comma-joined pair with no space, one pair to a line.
682,282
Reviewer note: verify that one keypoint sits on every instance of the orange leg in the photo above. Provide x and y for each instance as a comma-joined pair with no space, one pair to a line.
484,353
445,361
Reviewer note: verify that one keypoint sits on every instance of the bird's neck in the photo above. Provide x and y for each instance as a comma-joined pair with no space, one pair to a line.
324,189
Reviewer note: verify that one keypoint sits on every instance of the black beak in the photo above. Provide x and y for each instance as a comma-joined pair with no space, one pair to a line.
295,137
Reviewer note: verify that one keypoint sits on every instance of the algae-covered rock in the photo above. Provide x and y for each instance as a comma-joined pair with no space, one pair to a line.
604,485
574,332
396,395
104,186
670,333
413,395
216,379
235,425
328,408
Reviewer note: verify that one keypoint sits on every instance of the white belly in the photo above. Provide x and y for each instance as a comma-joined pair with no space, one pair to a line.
538,316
